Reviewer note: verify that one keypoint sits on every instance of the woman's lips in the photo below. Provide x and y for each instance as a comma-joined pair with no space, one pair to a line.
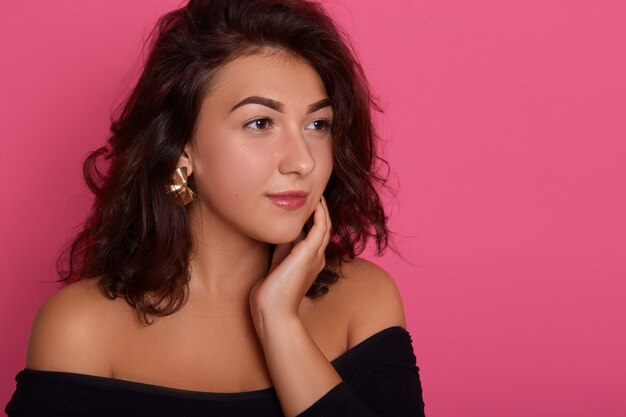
290,200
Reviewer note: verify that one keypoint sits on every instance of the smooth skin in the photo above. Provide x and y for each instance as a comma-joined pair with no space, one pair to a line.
247,324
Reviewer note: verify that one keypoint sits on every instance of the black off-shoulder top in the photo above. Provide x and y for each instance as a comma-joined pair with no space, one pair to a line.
379,378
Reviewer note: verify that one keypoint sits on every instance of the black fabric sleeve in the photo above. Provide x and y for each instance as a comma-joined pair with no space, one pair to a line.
382,382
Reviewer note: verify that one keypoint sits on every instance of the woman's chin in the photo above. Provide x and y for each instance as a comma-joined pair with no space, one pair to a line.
288,235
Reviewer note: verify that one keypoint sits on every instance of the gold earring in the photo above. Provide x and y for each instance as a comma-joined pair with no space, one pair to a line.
180,188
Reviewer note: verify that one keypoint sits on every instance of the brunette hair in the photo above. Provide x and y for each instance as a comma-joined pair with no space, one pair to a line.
136,237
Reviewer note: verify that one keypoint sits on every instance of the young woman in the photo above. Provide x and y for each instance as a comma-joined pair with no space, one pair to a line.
217,273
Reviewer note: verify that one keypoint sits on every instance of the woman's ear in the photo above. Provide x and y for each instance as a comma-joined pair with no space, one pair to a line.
185,159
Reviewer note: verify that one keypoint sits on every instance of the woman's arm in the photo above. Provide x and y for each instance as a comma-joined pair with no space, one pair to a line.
71,332
300,372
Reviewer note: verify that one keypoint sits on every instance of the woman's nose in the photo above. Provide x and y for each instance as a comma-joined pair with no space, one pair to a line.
295,155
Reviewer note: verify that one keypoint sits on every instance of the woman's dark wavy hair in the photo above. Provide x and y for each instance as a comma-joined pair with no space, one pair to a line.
136,237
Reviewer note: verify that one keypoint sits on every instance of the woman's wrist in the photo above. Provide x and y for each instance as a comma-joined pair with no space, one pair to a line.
272,322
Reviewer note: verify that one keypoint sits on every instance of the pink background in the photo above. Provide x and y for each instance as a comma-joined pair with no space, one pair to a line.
505,127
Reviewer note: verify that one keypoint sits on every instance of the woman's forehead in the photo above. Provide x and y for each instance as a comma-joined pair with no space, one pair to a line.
280,76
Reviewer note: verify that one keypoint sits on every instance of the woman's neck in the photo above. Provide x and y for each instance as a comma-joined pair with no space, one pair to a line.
225,263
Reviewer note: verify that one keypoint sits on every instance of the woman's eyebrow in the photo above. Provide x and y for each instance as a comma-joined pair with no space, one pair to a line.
278,106
325,102
264,101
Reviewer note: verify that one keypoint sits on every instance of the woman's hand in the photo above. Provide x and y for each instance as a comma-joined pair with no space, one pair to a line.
300,372
293,269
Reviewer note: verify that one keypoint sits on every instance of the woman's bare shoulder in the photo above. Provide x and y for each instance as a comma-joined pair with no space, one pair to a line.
373,300
73,329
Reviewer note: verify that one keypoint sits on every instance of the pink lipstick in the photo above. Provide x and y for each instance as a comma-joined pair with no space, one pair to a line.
290,200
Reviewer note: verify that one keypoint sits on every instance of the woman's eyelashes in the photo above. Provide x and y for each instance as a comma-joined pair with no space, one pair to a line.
322,125
260,123
264,123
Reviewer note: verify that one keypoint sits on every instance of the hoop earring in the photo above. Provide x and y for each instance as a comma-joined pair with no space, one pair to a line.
180,188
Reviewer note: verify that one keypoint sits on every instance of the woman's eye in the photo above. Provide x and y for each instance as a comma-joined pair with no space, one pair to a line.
321,124
259,124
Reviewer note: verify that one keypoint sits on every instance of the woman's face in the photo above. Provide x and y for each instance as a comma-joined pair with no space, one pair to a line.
262,155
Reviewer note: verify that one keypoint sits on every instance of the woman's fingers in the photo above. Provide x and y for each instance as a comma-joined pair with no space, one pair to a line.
318,236
294,266
328,227
325,227
316,233
314,242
